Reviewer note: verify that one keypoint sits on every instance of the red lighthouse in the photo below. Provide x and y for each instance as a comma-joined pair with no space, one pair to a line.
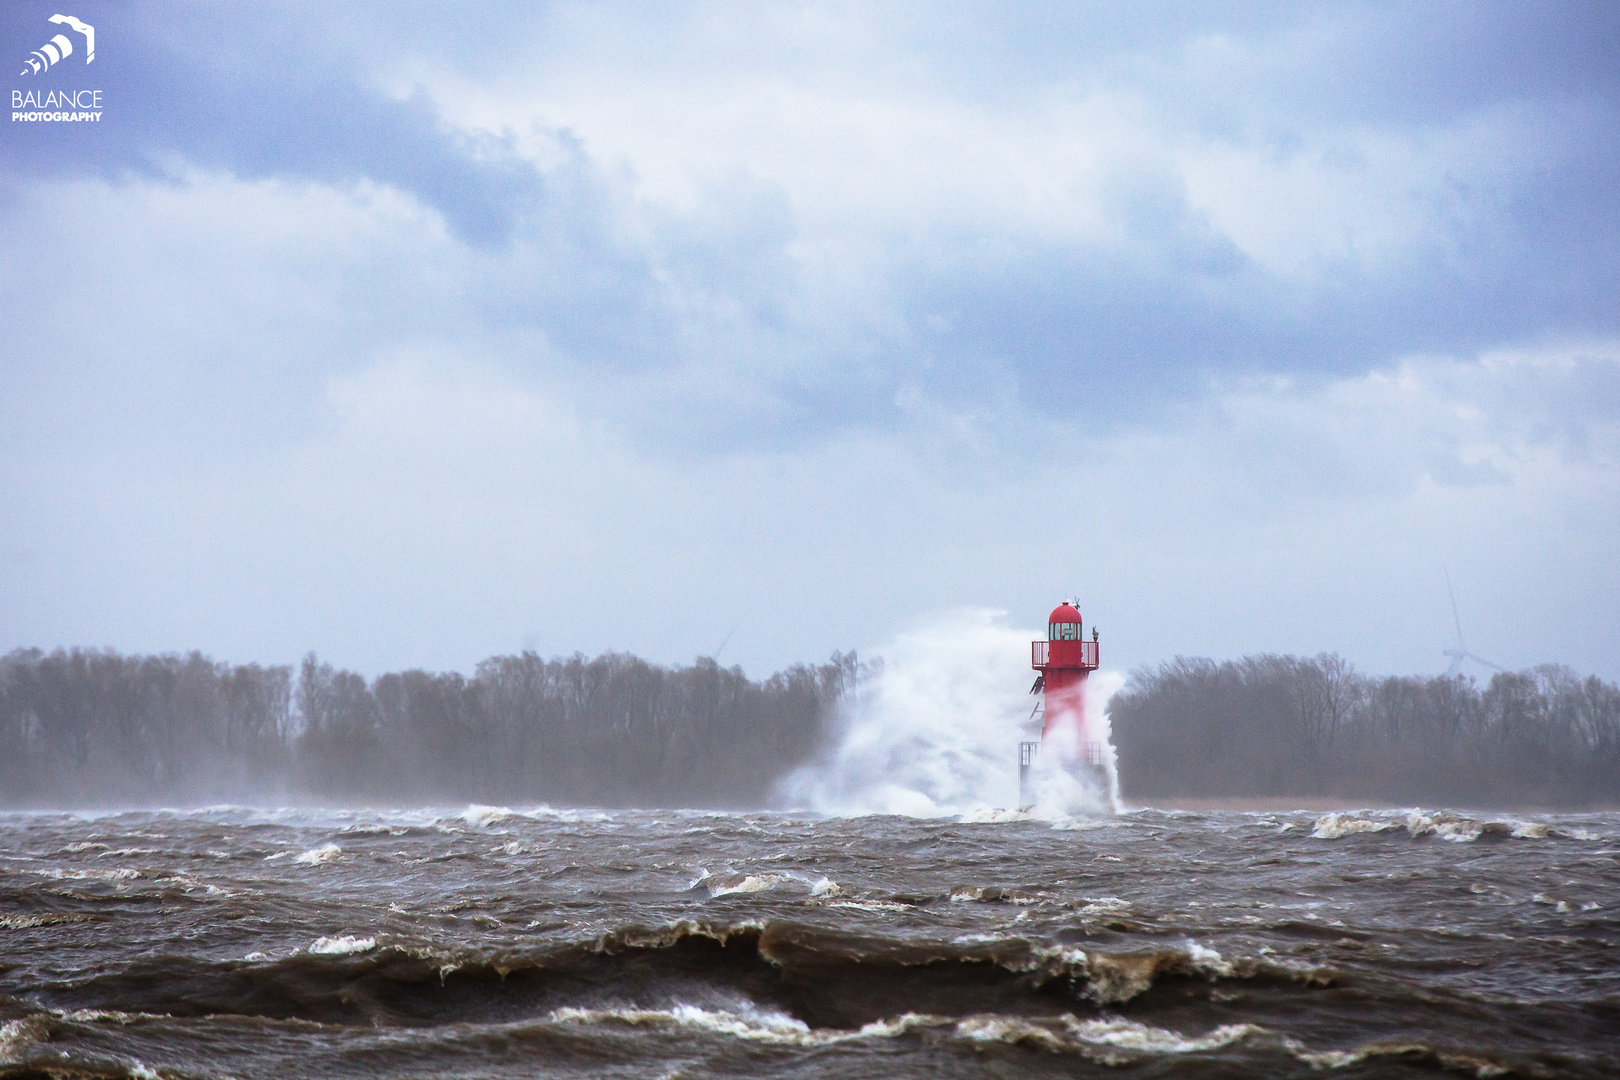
1064,660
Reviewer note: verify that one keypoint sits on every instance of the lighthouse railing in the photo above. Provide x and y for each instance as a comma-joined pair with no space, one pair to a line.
1043,654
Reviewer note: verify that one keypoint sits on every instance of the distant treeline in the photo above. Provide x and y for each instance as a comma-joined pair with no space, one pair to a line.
1284,725
97,728
86,728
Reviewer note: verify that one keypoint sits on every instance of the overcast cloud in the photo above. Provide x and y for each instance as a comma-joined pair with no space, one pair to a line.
418,333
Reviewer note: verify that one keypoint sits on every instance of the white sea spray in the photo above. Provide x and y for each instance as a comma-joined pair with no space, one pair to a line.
1457,830
16,1036
934,729
1131,1035
319,855
746,1021
746,883
1333,826
481,817
341,946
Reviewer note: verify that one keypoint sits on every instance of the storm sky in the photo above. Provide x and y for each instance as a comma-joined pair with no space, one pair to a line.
416,333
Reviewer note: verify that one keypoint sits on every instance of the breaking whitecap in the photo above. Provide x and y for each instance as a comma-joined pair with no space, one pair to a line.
747,1022
1441,825
341,946
1333,826
1113,1040
319,855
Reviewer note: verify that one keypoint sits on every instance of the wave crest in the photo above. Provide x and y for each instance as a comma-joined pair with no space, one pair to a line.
1443,825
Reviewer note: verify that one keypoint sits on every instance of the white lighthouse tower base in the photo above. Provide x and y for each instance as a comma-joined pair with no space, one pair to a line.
1048,786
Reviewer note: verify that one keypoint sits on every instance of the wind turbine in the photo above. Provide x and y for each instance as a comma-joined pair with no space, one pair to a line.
1461,653
715,656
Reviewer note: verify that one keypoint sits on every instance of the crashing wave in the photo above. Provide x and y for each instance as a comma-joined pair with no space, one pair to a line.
19,921
1103,906
319,856
481,817
746,1022
872,905
1456,829
994,816
662,937
1109,1040
1442,825
1333,826
989,894
731,884
1104,1039
1083,823
341,946
1414,1053
106,1016
370,828
16,1036
57,874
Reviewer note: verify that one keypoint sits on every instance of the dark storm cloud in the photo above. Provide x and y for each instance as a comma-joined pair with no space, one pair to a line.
1516,260
1422,63
254,92
1068,325
1113,332
1409,63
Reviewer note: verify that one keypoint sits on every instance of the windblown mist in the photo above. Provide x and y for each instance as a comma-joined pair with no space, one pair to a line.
86,728
932,727
927,724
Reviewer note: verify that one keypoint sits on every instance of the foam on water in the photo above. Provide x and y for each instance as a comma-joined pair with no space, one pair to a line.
994,815
15,921
341,946
1333,826
478,816
745,1022
1441,825
1063,1032
16,1036
745,883
1110,1040
483,816
1130,1035
319,855
825,886
827,937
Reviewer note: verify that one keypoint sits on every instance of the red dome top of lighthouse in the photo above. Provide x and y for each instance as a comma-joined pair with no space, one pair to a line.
1064,612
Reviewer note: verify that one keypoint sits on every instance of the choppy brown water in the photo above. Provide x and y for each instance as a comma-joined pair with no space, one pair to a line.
639,944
